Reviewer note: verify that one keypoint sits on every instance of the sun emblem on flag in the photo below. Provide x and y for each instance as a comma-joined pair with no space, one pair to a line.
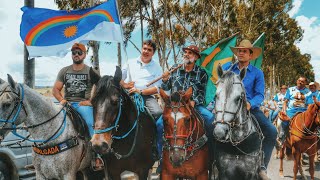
70,31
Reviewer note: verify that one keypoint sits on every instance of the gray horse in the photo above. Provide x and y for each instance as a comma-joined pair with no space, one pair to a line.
48,126
238,136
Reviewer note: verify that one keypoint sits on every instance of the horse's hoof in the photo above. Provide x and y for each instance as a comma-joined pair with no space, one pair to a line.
263,175
281,175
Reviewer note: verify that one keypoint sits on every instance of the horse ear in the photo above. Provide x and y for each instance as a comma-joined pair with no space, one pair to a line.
220,70
117,76
188,94
164,96
243,73
11,82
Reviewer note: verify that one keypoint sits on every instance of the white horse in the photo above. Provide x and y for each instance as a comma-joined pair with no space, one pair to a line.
60,152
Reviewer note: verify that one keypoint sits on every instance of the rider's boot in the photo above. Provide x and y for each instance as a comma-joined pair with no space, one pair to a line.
263,170
97,163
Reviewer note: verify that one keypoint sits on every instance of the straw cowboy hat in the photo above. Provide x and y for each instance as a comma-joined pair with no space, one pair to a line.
246,44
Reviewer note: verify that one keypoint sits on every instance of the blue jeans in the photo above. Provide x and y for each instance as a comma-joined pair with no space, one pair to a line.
208,119
269,131
275,114
270,115
86,113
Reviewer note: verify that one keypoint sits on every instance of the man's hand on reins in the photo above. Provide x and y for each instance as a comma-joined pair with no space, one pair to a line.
63,102
85,103
248,106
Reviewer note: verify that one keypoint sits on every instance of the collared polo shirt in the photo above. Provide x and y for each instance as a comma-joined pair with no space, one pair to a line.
142,73
296,101
279,98
309,95
253,83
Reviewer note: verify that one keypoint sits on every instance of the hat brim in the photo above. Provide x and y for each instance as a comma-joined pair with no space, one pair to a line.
256,51
197,53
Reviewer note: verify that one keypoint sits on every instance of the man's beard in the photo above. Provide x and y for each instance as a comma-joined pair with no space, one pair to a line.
188,61
77,62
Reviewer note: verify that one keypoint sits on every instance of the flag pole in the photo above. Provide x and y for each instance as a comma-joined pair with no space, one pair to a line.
124,49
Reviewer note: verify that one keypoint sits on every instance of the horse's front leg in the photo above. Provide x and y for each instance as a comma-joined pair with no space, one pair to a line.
203,175
311,164
297,158
281,156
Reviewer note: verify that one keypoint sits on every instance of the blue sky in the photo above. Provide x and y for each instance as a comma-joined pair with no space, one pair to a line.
305,12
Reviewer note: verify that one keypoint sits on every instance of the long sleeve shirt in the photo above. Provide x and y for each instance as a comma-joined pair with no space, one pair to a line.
182,80
253,83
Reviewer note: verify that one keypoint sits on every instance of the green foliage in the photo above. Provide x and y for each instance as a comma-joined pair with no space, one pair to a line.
205,22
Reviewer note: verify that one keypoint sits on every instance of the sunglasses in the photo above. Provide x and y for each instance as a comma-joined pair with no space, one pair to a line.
75,52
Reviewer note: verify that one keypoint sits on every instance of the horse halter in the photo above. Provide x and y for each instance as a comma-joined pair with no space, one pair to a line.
232,124
18,105
140,106
186,137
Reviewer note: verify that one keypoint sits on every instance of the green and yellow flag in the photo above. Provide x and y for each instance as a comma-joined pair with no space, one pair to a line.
220,53
259,43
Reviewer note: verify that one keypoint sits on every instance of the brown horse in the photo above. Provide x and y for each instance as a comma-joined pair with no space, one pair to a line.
303,138
185,152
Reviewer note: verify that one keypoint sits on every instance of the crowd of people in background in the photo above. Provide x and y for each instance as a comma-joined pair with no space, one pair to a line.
291,101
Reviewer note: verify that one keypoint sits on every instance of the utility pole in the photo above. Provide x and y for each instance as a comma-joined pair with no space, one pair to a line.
29,77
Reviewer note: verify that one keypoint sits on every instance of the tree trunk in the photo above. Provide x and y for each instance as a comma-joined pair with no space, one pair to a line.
29,77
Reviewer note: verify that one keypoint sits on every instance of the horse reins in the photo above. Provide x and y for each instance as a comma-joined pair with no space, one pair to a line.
190,145
19,102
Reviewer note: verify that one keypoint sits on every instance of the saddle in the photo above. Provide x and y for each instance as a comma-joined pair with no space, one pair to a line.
78,123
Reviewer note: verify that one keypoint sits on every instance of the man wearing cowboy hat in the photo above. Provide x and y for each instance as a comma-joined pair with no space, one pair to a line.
313,92
279,99
189,75
254,85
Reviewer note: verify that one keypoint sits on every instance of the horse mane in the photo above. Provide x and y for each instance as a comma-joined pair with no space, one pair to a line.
103,88
175,97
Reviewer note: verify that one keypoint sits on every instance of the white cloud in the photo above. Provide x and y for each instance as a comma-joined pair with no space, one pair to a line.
310,41
296,7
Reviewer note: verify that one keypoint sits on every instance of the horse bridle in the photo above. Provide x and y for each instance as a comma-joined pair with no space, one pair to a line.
187,146
140,107
18,104
233,124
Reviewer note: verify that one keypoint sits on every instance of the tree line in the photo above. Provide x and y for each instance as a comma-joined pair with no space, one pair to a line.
175,23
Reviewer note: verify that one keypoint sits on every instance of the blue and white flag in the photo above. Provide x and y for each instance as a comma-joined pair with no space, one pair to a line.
48,32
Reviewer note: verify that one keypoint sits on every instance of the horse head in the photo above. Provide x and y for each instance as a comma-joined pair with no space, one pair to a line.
11,103
110,104
179,124
230,106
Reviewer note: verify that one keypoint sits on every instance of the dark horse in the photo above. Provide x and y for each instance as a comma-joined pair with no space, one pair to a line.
124,134
239,139
185,152
303,138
